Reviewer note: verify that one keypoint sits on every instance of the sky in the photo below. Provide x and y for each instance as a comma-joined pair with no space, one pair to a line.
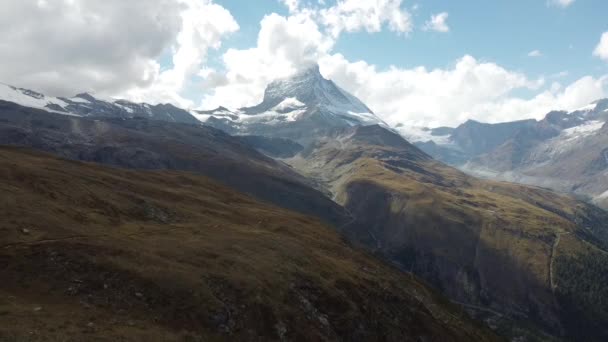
420,63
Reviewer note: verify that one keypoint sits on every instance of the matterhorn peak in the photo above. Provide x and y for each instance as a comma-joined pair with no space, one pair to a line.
311,70
298,107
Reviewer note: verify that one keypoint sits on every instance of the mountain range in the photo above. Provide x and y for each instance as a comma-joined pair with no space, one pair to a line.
301,189
565,151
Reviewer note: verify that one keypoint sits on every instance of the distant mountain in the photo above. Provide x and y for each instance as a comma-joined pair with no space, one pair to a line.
86,105
506,252
566,151
458,145
301,108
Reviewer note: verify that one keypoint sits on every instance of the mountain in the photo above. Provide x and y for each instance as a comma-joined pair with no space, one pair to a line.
158,145
273,147
565,151
106,254
503,251
458,145
301,108
86,105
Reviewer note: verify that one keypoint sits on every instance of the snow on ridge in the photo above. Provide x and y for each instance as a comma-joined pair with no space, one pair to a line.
422,134
79,100
602,196
126,108
34,99
288,103
568,140
589,107
586,129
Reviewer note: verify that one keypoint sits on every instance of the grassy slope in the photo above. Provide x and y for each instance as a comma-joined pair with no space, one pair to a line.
156,145
97,253
487,244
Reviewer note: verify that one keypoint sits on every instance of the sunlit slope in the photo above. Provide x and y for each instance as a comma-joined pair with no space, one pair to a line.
488,245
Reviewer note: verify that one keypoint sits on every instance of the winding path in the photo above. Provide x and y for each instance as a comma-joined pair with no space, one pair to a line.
553,250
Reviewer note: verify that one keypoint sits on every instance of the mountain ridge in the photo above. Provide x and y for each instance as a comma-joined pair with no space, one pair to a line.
86,105
564,151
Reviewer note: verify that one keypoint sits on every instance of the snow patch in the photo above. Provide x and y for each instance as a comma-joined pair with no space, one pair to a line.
288,103
200,117
602,196
422,134
588,108
570,139
28,98
586,129
79,100
126,108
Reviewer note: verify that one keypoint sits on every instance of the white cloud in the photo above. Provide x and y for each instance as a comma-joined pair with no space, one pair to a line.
204,24
284,44
437,23
107,46
601,50
468,90
292,5
560,3
430,97
535,53
357,15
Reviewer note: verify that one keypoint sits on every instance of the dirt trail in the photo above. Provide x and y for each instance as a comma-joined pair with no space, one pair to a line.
553,250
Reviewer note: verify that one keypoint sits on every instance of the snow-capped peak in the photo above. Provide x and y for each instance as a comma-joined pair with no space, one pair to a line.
311,90
29,98
87,105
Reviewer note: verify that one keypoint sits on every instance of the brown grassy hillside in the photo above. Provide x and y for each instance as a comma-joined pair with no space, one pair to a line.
487,245
92,253
157,145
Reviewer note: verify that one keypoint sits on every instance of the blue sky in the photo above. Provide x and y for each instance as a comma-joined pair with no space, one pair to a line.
502,31
533,56
420,63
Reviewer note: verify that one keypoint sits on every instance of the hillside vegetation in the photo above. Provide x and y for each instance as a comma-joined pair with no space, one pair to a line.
98,253
489,246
